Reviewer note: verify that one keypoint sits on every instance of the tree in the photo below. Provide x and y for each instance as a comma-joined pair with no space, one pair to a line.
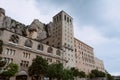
10,71
82,74
109,77
95,73
91,75
51,71
38,68
2,64
75,72
59,71
67,75
55,70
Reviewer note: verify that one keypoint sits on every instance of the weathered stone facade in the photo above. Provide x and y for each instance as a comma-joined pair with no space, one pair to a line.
53,41
21,43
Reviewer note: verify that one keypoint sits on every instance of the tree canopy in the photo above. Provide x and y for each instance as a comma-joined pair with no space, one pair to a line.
55,70
96,73
10,71
39,67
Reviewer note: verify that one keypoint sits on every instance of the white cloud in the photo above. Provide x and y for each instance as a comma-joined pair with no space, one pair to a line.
90,35
22,10
115,74
26,11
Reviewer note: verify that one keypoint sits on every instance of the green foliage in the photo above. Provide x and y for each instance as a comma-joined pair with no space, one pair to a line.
67,75
75,72
95,73
91,75
82,74
55,70
10,71
59,70
52,71
39,67
109,77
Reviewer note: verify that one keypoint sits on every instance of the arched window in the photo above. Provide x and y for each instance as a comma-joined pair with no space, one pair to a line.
14,38
50,50
58,52
40,47
28,43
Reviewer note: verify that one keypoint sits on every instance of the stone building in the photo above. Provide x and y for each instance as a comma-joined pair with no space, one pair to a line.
53,41
85,59
62,36
84,56
21,44
99,64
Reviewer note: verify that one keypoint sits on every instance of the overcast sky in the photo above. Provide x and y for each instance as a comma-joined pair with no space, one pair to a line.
96,22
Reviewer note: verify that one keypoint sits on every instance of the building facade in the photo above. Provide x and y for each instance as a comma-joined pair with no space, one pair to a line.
85,59
99,64
84,56
62,37
54,42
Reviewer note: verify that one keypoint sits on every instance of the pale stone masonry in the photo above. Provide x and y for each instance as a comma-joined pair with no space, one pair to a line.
85,59
62,37
99,64
84,56
53,41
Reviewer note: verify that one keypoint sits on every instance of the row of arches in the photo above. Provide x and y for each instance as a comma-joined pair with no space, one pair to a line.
28,43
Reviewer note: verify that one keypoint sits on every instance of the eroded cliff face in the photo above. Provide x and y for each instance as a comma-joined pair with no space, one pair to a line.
36,30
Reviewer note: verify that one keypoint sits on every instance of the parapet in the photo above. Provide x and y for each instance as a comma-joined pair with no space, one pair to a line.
2,11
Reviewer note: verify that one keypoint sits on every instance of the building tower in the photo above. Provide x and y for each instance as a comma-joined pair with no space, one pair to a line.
62,37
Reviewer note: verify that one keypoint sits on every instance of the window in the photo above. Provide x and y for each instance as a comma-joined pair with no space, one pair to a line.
10,51
57,61
24,63
58,43
65,17
55,19
26,55
59,17
58,52
49,59
28,43
70,20
14,38
8,60
40,47
50,50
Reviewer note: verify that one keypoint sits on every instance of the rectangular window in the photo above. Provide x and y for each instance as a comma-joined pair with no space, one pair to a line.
59,17
65,17
7,50
10,51
26,55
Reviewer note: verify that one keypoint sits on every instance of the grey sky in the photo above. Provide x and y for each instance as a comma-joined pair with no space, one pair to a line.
96,22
